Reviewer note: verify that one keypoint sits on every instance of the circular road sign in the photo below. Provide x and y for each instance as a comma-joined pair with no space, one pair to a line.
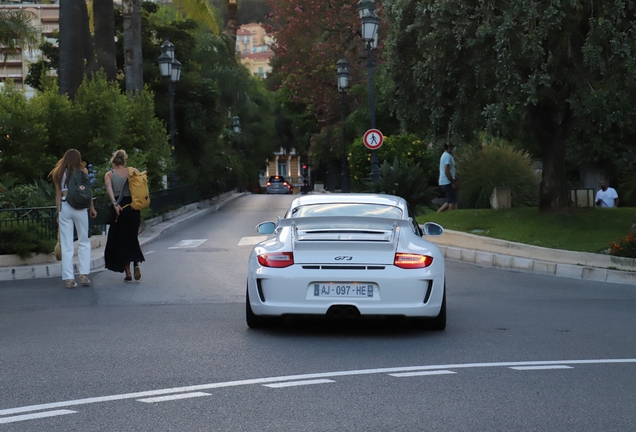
373,139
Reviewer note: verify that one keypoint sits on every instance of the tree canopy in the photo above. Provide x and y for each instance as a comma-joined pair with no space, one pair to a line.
16,30
557,70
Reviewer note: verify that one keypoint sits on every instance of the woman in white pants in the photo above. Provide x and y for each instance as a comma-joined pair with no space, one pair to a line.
70,217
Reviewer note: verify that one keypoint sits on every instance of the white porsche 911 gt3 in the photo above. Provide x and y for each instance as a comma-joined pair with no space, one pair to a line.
346,255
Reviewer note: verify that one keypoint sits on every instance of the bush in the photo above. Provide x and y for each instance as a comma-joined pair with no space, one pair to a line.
407,148
24,240
404,180
624,247
496,164
25,196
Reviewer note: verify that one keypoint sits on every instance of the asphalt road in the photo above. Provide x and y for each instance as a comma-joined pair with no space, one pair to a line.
522,352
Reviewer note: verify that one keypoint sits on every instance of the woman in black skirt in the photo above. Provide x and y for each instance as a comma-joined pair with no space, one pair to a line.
122,244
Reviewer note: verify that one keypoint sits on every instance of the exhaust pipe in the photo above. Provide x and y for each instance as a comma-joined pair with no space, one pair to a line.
343,311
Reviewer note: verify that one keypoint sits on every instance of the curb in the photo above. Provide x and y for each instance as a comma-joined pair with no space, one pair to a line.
485,252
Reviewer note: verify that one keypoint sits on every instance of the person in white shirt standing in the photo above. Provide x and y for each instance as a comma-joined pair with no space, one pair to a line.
606,196
447,178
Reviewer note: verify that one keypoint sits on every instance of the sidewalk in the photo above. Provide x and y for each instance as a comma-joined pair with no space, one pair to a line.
45,266
458,246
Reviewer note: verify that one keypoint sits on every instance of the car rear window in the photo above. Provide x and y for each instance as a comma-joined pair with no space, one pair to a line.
348,209
277,179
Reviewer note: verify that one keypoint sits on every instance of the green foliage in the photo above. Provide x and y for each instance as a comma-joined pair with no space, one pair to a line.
407,148
561,70
626,175
23,139
38,76
404,180
624,246
213,88
25,196
36,132
496,164
17,30
23,240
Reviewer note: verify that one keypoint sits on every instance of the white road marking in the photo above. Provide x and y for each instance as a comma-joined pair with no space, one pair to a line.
193,388
298,383
149,252
249,241
184,244
35,416
411,374
174,397
541,367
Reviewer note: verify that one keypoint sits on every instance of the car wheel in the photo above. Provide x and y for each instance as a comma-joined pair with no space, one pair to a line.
438,323
254,321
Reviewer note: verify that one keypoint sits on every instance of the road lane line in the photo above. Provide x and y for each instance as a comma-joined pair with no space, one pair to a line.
298,383
335,374
174,397
185,244
541,367
249,241
35,416
422,373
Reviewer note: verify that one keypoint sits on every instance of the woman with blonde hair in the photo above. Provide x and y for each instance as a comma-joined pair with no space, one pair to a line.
122,244
70,217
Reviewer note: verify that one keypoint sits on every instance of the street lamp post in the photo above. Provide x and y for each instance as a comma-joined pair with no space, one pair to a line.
236,127
170,69
343,84
370,24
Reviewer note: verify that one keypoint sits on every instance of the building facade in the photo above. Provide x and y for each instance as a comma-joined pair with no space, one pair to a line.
253,44
46,17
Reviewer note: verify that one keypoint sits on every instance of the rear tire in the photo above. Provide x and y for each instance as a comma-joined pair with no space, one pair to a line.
439,322
253,321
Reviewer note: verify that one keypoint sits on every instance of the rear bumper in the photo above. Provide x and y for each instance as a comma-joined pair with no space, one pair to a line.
411,293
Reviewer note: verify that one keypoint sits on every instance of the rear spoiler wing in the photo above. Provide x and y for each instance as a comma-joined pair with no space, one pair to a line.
344,228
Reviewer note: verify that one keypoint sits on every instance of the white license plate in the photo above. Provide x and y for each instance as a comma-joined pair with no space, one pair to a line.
343,290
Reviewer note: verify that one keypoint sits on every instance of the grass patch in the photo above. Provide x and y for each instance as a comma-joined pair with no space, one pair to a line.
582,229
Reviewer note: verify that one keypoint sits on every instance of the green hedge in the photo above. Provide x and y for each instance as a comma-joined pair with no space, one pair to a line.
24,240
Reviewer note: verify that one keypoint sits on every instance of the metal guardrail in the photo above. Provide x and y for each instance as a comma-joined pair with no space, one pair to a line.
42,218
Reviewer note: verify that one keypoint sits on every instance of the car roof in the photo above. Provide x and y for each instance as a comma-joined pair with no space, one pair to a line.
381,199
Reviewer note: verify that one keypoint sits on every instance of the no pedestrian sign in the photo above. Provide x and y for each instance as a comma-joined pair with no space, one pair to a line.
373,139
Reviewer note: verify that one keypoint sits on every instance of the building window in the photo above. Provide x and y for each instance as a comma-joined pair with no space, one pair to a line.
260,71
282,167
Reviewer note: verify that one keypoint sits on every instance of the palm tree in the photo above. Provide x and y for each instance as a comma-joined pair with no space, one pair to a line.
201,11
16,31
76,49
104,36
133,60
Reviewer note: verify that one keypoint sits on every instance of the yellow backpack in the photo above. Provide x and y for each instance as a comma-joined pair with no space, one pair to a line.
138,186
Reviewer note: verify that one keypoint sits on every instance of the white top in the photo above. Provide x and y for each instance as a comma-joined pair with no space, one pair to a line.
446,159
606,197
63,185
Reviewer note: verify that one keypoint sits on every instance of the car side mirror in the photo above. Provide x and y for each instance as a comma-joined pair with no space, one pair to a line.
266,228
433,229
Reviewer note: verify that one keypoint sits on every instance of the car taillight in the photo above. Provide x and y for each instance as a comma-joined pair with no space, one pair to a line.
267,183
285,183
276,260
412,261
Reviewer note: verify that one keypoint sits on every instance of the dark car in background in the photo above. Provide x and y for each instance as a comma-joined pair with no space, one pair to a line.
278,185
